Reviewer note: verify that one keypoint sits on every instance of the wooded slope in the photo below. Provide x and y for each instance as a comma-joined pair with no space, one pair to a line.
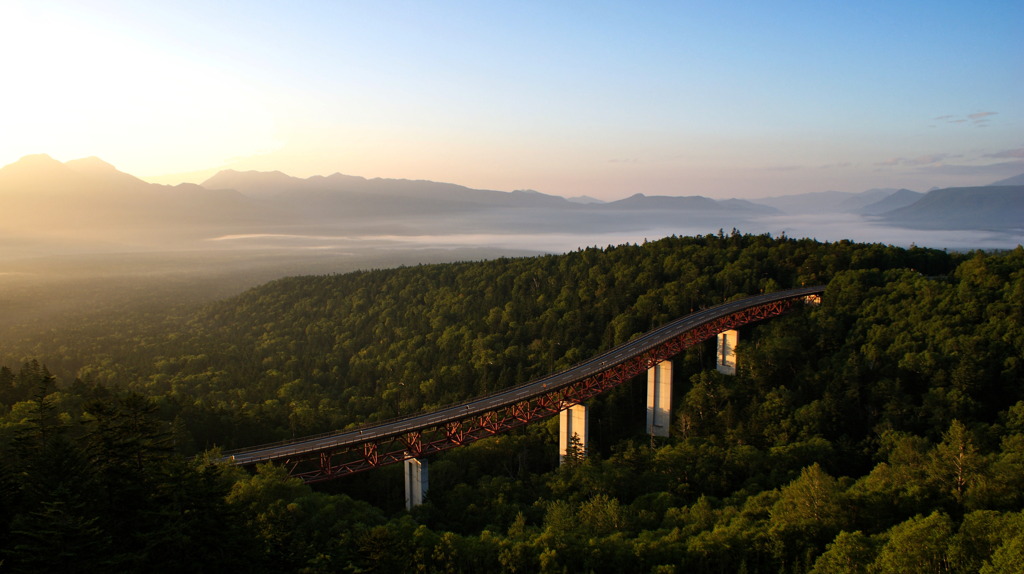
882,431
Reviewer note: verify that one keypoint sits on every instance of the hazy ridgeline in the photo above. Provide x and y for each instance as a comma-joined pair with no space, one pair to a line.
88,206
629,166
55,291
880,431
82,238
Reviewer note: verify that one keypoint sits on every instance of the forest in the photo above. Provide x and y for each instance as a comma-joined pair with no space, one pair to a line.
880,431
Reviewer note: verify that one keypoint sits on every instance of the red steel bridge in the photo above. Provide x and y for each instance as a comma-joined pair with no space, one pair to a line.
332,455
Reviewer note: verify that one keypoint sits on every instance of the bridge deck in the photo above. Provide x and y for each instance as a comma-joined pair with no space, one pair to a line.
308,447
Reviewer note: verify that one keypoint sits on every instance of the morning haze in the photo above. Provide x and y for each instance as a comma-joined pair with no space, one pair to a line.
599,287
748,101
120,240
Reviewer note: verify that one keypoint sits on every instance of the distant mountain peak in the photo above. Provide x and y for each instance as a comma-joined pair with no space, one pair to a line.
234,179
43,163
986,207
897,200
34,167
254,173
826,201
36,160
673,202
251,173
1015,180
585,199
91,164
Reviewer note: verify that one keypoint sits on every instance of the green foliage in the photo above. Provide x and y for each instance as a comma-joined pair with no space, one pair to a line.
882,430
311,354
809,512
1007,558
916,545
103,491
849,553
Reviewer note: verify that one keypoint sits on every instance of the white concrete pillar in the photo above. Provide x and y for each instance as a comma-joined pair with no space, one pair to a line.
572,422
416,481
726,356
659,398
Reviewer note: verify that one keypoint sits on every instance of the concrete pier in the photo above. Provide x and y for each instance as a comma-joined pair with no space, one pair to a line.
659,399
572,421
726,355
416,481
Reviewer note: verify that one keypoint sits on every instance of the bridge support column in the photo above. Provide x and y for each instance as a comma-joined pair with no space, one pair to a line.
659,398
416,481
573,431
726,356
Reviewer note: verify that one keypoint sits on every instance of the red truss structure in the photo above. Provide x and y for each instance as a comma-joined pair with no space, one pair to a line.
316,459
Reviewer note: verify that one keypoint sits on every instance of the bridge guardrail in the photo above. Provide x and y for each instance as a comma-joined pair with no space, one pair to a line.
524,391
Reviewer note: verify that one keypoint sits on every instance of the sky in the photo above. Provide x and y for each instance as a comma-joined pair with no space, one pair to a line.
606,99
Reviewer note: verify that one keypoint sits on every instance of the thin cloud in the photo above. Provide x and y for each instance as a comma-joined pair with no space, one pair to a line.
1008,154
979,119
993,171
929,159
773,168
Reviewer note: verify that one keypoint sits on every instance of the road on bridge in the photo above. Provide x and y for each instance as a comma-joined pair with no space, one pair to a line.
409,430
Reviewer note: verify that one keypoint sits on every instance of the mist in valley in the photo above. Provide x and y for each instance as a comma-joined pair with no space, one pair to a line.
46,285
82,240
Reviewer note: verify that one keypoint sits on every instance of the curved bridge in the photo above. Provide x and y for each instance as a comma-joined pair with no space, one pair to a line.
332,455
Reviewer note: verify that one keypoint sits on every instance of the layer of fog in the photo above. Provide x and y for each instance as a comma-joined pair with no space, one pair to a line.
61,286
823,227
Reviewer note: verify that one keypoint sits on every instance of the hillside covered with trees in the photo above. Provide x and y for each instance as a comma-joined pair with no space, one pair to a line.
882,431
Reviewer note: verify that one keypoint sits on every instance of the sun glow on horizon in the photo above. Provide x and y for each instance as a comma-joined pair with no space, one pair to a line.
80,87
604,100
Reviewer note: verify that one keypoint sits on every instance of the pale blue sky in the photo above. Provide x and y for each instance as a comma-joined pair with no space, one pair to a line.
725,99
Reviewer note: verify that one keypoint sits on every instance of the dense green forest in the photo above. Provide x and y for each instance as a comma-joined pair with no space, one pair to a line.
882,431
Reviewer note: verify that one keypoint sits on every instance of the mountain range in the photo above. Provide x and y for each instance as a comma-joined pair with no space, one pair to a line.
993,207
896,200
89,201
